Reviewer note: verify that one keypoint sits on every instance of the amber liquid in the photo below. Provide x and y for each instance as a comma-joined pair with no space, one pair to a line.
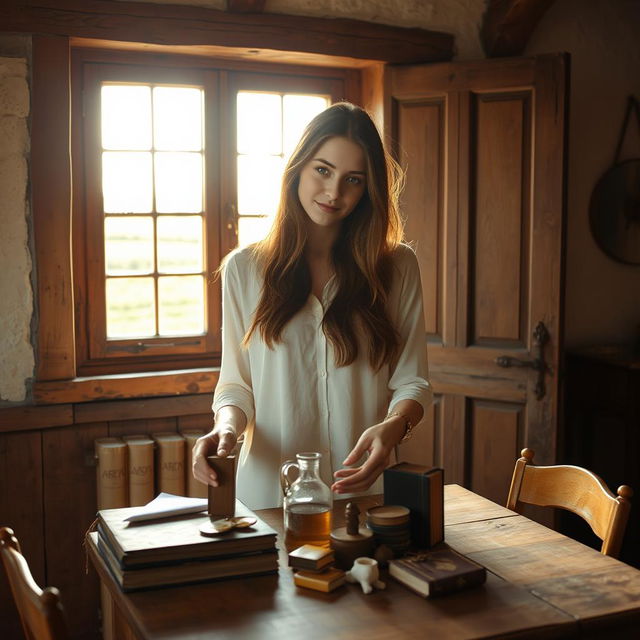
307,524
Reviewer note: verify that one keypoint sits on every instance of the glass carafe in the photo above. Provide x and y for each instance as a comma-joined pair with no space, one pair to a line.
307,502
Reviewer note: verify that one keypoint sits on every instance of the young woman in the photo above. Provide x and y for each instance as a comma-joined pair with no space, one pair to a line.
323,333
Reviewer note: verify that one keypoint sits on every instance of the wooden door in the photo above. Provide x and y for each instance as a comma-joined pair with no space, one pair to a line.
483,147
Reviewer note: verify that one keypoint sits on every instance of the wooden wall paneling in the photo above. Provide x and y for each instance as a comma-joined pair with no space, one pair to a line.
29,417
496,440
51,202
203,422
119,428
69,510
148,408
21,509
188,25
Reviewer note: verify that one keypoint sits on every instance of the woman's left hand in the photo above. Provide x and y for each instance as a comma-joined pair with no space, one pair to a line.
378,441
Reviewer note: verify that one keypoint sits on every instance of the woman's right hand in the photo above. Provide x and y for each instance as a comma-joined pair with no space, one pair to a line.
219,442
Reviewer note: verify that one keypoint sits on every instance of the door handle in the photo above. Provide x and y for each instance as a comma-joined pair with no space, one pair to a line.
540,339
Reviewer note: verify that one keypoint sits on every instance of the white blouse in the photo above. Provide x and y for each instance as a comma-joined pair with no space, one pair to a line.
294,396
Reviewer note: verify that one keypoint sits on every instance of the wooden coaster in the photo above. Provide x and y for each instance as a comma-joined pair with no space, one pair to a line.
389,514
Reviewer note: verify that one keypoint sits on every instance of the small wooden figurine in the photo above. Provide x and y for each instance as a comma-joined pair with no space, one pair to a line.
351,542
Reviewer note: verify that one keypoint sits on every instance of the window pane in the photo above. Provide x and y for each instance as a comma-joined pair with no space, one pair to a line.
180,244
126,117
181,305
259,123
126,182
130,307
177,118
252,230
178,182
128,245
298,112
259,180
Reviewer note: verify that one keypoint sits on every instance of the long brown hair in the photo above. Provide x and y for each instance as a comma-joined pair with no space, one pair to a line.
361,254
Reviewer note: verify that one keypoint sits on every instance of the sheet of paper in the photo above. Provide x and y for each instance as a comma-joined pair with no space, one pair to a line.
165,505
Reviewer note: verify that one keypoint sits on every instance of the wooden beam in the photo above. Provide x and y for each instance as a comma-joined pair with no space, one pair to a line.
182,25
508,25
246,6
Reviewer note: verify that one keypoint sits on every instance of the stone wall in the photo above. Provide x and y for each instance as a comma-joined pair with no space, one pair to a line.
16,294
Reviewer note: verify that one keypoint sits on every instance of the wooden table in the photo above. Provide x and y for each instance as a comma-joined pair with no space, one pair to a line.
540,584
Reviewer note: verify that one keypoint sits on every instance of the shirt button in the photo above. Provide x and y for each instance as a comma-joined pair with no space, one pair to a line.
324,374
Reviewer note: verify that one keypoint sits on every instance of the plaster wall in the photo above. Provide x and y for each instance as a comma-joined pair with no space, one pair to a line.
16,294
602,296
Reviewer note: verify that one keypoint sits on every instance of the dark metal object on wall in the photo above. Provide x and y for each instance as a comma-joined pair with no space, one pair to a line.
614,211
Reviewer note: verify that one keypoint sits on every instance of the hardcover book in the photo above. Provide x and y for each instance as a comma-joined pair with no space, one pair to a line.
195,488
175,539
437,572
111,473
326,581
140,466
421,490
189,571
310,557
169,462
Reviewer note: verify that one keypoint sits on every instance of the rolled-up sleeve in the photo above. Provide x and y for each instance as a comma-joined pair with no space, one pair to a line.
234,383
409,379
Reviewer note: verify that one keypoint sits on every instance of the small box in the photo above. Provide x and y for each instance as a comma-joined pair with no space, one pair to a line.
310,557
222,499
326,581
421,490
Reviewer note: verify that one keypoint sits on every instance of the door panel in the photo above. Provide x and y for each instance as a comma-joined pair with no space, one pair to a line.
499,216
482,145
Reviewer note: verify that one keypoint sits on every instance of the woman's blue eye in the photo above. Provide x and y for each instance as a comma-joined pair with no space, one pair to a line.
323,171
354,180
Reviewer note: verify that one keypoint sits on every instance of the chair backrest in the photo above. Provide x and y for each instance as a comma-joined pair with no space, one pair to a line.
574,489
40,610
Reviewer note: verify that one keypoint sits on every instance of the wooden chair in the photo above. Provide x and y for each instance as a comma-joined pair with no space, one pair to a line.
577,490
40,610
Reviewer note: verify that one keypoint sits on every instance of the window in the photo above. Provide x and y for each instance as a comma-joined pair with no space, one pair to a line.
176,164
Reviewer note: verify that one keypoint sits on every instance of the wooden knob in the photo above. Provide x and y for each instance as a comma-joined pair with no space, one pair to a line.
625,492
528,454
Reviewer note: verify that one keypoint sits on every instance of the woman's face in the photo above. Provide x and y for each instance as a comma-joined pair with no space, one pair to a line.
333,181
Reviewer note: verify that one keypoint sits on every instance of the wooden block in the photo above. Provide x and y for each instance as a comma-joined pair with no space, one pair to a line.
222,499
310,557
326,581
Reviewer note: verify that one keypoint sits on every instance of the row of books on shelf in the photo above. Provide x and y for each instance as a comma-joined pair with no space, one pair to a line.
171,551
132,469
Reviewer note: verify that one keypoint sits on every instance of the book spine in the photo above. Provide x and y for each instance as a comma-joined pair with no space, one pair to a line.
111,473
170,464
141,463
195,488
452,584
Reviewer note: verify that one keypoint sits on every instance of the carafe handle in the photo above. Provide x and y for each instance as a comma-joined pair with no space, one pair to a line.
284,474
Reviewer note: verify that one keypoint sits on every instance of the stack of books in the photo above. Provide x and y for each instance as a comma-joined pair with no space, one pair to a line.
170,551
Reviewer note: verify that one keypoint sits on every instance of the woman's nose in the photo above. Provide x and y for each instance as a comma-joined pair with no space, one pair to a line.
332,190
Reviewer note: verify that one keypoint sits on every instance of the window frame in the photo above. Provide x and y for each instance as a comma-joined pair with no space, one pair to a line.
221,80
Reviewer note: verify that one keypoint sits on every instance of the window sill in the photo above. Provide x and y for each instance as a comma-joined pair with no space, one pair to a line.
124,386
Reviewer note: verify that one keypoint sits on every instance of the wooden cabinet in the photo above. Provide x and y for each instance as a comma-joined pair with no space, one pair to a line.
602,430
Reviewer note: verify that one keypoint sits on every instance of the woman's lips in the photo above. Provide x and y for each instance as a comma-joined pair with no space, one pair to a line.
327,208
